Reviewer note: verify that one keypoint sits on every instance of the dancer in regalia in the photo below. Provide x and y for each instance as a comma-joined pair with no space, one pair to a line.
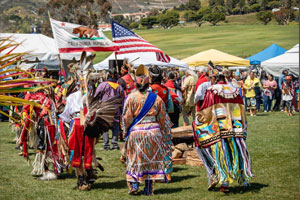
220,132
146,125
89,118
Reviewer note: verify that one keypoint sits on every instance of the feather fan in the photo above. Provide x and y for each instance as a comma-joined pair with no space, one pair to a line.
101,114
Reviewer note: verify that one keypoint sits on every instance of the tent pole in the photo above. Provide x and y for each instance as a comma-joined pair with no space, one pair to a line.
61,67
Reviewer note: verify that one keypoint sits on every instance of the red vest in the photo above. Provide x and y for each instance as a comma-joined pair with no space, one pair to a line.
129,83
161,91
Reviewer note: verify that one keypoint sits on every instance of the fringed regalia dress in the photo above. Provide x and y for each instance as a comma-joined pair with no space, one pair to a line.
148,145
220,130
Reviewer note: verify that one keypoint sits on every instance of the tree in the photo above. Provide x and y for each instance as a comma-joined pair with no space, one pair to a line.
288,4
199,18
219,9
125,23
134,25
149,21
213,3
189,16
154,12
284,16
273,4
245,9
264,4
193,5
254,7
83,12
168,19
264,16
214,18
251,2
204,11
236,11
180,8
241,5
118,18
15,18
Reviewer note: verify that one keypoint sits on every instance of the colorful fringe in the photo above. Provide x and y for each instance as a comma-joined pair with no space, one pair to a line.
227,160
147,158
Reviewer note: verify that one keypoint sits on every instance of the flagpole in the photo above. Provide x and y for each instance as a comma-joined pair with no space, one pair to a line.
116,59
58,55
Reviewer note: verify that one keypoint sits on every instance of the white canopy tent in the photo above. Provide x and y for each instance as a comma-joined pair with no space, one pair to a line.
39,46
288,60
148,59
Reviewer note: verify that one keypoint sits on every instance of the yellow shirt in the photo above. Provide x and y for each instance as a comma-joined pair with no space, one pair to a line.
249,86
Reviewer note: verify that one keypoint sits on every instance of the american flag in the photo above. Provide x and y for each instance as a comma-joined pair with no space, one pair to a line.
129,42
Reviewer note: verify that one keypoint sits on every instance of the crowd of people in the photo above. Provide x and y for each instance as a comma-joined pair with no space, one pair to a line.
140,107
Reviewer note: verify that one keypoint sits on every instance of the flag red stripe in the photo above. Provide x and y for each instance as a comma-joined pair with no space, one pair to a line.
137,51
88,49
137,45
130,40
166,57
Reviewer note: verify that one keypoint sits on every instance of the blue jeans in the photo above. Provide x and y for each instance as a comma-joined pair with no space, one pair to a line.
115,134
267,102
245,103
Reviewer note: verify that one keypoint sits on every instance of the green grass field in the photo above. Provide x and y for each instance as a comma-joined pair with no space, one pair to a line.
273,142
233,37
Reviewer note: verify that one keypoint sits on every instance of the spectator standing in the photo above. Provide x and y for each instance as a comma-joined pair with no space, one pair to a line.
258,93
270,86
188,90
263,77
202,78
107,90
288,94
238,82
280,82
277,97
296,84
227,75
177,80
176,100
250,85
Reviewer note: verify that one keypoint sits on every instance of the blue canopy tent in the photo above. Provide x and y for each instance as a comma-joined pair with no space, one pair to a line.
270,52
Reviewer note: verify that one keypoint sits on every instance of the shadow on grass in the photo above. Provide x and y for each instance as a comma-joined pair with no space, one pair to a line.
181,178
67,176
110,185
106,176
170,190
177,169
253,188
261,115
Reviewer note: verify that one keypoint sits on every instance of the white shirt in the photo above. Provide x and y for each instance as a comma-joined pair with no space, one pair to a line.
200,93
73,105
287,97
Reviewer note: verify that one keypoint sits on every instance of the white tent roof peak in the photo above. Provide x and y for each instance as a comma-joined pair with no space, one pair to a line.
295,49
288,60
136,59
38,45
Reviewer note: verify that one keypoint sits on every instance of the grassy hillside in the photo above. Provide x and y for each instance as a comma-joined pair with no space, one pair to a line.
273,143
142,5
233,38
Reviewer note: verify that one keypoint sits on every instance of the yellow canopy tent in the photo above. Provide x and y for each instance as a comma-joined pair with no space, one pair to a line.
217,57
